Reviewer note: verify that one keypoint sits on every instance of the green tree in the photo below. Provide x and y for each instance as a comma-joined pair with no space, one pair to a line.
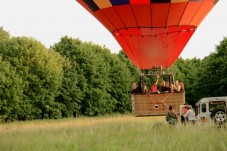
4,34
186,71
90,74
74,83
221,72
211,79
10,90
41,71
101,78
135,72
120,80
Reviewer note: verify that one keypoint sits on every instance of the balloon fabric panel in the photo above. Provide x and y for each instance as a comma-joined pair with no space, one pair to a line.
190,12
126,15
113,17
103,3
104,20
139,1
142,14
119,2
175,13
159,14
206,6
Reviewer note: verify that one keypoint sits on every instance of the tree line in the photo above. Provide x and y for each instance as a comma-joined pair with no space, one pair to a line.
74,78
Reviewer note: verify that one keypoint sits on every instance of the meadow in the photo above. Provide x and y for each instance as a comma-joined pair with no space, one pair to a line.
111,133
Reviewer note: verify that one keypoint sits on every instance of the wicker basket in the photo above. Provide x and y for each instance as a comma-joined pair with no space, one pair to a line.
156,104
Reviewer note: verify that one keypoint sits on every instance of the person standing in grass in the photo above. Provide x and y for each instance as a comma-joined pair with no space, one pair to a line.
171,116
190,115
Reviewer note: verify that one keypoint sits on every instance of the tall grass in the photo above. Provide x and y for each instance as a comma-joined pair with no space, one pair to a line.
112,133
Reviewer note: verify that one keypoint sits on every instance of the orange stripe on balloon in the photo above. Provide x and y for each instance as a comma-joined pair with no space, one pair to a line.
103,3
178,1
203,11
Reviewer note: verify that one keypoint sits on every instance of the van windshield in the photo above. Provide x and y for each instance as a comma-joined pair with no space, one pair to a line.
216,104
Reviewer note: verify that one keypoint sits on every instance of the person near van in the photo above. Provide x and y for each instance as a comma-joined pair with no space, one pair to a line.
185,110
190,115
171,116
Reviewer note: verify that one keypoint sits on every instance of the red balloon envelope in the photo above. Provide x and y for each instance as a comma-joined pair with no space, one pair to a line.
151,32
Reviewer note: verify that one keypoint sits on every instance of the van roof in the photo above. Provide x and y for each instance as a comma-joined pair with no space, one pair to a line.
220,98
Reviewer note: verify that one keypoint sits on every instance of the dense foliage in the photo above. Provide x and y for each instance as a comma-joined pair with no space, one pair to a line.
212,76
206,77
37,76
74,78
97,81
3,34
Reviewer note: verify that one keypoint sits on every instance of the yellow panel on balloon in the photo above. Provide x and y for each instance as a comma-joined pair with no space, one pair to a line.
103,3
178,1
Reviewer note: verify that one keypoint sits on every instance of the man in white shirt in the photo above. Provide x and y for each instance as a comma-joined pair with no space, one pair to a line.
190,115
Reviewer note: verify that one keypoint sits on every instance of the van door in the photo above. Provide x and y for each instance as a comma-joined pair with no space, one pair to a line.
203,112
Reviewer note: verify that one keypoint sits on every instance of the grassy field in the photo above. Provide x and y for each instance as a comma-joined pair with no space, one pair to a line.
111,133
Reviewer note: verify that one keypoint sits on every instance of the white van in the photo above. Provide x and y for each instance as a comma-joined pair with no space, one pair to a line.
212,108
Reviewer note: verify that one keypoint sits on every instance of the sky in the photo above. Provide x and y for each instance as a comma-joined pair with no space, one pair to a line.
49,20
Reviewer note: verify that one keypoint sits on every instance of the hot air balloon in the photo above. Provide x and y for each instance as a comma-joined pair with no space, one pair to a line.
152,33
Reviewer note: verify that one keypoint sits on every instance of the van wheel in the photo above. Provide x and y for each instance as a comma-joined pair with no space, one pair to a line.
219,116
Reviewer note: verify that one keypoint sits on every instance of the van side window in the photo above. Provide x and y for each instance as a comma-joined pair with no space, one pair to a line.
204,108
216,104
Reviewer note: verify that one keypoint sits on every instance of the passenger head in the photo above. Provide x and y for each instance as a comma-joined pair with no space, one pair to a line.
156,81
163,83
170,107
171,86
188,107
134,85
181,84
140,83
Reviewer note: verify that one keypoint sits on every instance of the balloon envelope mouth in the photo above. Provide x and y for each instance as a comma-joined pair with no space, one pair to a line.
143,32
148,47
